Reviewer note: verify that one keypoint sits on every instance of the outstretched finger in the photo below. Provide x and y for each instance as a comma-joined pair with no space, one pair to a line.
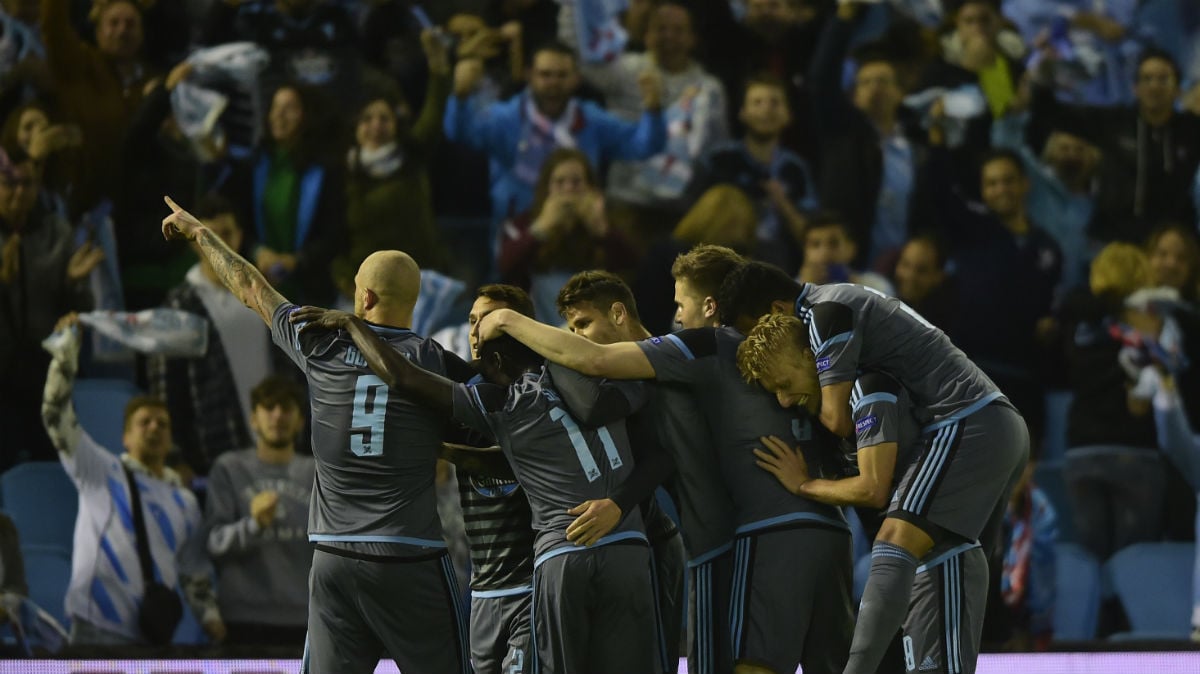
171,204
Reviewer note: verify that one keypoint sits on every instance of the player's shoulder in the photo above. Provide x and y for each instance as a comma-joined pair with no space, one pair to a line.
692,342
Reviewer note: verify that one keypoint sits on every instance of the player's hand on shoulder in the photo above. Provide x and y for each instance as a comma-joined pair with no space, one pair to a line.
317,318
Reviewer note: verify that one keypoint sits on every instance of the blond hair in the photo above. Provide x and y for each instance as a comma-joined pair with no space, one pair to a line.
770,337
723,215
1119,269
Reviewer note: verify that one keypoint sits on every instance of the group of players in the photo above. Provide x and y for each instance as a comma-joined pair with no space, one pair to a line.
809,398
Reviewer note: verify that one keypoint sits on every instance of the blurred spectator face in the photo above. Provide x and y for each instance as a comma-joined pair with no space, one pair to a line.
669,37
482,307
1156,87
286,116
1170,262
31,123
376,125
119,31
1003,187
148,433
592,323
827,245
917,272
1071,157
876,90
689,306
637,16
765,111
277,422
568,179
552,80
18,192
977,18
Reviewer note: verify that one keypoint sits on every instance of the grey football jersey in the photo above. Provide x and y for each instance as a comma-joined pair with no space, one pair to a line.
739,414
558,462
852,329
375,451
882,413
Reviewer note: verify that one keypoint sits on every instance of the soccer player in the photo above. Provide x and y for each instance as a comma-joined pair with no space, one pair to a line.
598,306
592,607
381,580
974,446
944,624
499,532
790,596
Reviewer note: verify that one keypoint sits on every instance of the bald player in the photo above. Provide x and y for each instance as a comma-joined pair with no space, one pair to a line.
382,581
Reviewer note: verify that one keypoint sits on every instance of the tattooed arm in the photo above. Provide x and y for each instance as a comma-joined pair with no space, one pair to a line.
241,277
58,414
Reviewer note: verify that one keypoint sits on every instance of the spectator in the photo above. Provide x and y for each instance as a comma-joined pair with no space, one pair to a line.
105,596
28,130
1028,584
1115,478
1174,256
312,42
296,199
98,87
777,179
520,133
694,107
12,578
536,21
566,231
828,252
921,283
388,177
1062,189
1150,151
722,216
979,51
257,516
42,273
207,397
157,159
1006,272
871,152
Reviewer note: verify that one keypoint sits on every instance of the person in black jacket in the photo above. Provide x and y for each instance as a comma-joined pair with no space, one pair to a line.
870,152
1150,151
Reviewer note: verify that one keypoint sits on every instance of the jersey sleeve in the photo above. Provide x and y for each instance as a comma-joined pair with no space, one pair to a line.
678,358
835,342
875,405
596,402
473,405
286,335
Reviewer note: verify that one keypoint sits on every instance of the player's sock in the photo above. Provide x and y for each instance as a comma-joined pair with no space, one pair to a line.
883,607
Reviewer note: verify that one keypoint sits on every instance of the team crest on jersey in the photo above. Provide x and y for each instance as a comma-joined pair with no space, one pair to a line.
493,487
823,364
865,424
656,340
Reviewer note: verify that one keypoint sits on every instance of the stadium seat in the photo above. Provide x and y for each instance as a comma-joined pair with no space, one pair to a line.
100,406
48,572
42,501
1077,606
1154,582
1049,477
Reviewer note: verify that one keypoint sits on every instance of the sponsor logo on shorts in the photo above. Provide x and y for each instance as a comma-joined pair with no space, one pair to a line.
865,424
823,364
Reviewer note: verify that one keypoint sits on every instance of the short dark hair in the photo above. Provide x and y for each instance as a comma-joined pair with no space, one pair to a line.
1004,154
829,218
600,288
1153,53
276,389
515,298
213,205
935,244
705,265
749,290
138,402
554,47
515,357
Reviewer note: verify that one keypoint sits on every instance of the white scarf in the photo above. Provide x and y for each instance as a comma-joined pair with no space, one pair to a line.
381,162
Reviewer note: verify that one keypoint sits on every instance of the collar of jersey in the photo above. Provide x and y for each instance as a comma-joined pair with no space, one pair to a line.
386,328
